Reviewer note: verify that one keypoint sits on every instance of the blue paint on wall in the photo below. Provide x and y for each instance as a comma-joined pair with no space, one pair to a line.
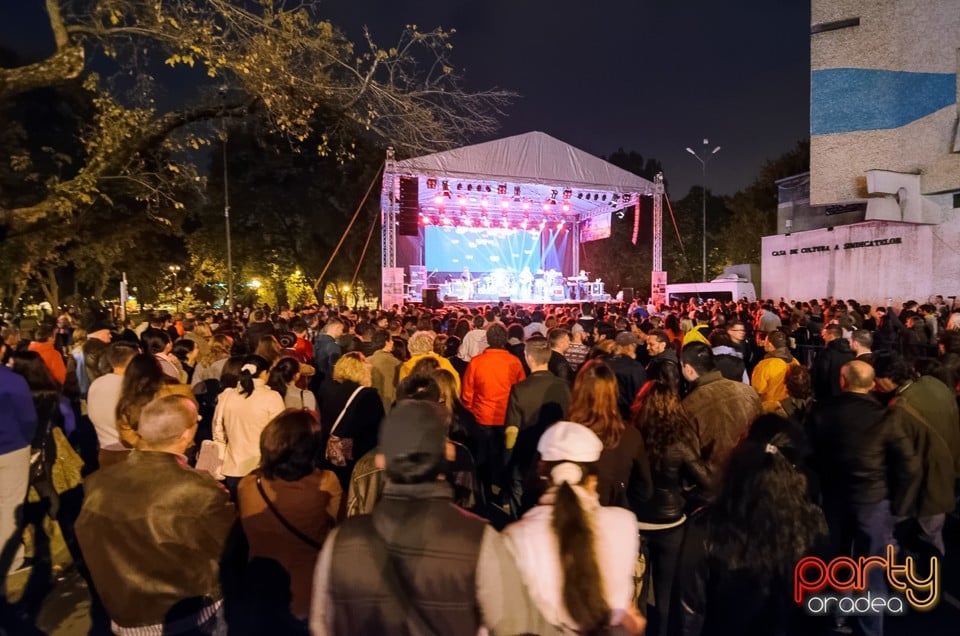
849,99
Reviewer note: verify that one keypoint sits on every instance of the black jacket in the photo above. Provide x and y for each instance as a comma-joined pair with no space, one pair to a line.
630,377
361,421
559,367
826,368
710,599
665,368
623,472
667,502
534,404
862,456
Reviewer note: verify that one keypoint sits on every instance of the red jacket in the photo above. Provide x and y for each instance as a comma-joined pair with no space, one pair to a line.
487,382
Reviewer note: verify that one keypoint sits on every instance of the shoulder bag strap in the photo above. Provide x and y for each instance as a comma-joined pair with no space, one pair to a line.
345,407
286,524
397,583
909,408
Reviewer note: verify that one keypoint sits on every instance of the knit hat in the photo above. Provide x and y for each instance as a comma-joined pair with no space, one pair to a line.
413,439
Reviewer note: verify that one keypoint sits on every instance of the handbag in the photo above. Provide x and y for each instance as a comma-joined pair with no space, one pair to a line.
340,449
210,458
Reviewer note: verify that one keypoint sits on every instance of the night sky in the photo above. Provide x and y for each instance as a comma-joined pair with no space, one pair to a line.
654,76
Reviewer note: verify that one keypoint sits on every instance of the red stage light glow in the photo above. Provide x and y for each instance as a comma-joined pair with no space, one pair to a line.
438,199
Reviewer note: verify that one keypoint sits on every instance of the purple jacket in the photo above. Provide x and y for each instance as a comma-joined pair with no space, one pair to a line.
18,418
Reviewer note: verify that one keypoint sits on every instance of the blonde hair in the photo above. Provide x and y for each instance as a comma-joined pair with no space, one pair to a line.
352,367
420,342
448,388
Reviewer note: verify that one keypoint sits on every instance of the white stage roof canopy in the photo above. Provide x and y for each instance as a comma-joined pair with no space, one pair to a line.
541,166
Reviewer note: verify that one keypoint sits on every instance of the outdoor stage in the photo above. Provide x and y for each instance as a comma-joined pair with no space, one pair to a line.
501,221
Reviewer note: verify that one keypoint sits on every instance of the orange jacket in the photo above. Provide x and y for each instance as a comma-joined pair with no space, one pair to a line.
487,382
52,358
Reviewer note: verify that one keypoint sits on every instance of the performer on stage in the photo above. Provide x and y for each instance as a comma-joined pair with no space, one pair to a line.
526,280
467,283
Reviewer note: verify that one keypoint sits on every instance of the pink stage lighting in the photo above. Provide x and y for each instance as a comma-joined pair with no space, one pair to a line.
566,207
504,204
526,205
438,199
505,223
560,225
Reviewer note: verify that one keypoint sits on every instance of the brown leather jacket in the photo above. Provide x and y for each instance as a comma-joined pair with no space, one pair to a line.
721,411
152,533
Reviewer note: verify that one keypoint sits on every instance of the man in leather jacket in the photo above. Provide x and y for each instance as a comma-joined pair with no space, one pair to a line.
153,530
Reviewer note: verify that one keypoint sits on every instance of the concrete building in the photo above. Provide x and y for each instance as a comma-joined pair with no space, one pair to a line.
878,214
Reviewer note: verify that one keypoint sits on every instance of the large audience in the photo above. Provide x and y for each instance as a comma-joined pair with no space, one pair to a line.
593,469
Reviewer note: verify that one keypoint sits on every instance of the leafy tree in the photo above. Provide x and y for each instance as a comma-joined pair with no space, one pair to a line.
277,60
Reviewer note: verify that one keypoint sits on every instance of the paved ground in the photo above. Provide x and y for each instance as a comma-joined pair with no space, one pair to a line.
64,609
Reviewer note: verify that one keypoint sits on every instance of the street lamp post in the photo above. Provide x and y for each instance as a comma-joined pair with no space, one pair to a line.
175,269
226,205
703,163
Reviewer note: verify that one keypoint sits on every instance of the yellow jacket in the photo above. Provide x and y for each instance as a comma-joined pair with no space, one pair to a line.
770,380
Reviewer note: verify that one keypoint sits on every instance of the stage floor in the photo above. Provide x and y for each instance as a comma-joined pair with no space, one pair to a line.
482,302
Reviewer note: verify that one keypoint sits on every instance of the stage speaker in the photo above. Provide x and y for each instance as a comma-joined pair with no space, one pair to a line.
431,297
628,294
408,218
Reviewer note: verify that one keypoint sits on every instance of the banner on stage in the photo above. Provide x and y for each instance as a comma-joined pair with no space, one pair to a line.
658,287
596,228
392,287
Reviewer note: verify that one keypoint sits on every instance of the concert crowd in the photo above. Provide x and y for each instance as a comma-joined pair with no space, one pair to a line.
594,468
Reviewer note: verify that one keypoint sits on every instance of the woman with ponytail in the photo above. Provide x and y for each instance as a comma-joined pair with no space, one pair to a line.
241,416
575,556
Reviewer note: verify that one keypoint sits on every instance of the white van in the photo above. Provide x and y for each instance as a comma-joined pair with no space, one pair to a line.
727,287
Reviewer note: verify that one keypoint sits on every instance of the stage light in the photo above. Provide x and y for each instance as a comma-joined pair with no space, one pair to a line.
446,186
526,205
487,188
567,194
505,223
485,221
626,198
560,225
504,204
620,214
523,223
546,206
438,199
502,188
604,197
595,196
566,207
461,200
425,220
459,186
432,183
579,195
446,220
468,222
543,224
484,202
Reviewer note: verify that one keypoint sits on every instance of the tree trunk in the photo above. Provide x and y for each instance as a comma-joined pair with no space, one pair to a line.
50,288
